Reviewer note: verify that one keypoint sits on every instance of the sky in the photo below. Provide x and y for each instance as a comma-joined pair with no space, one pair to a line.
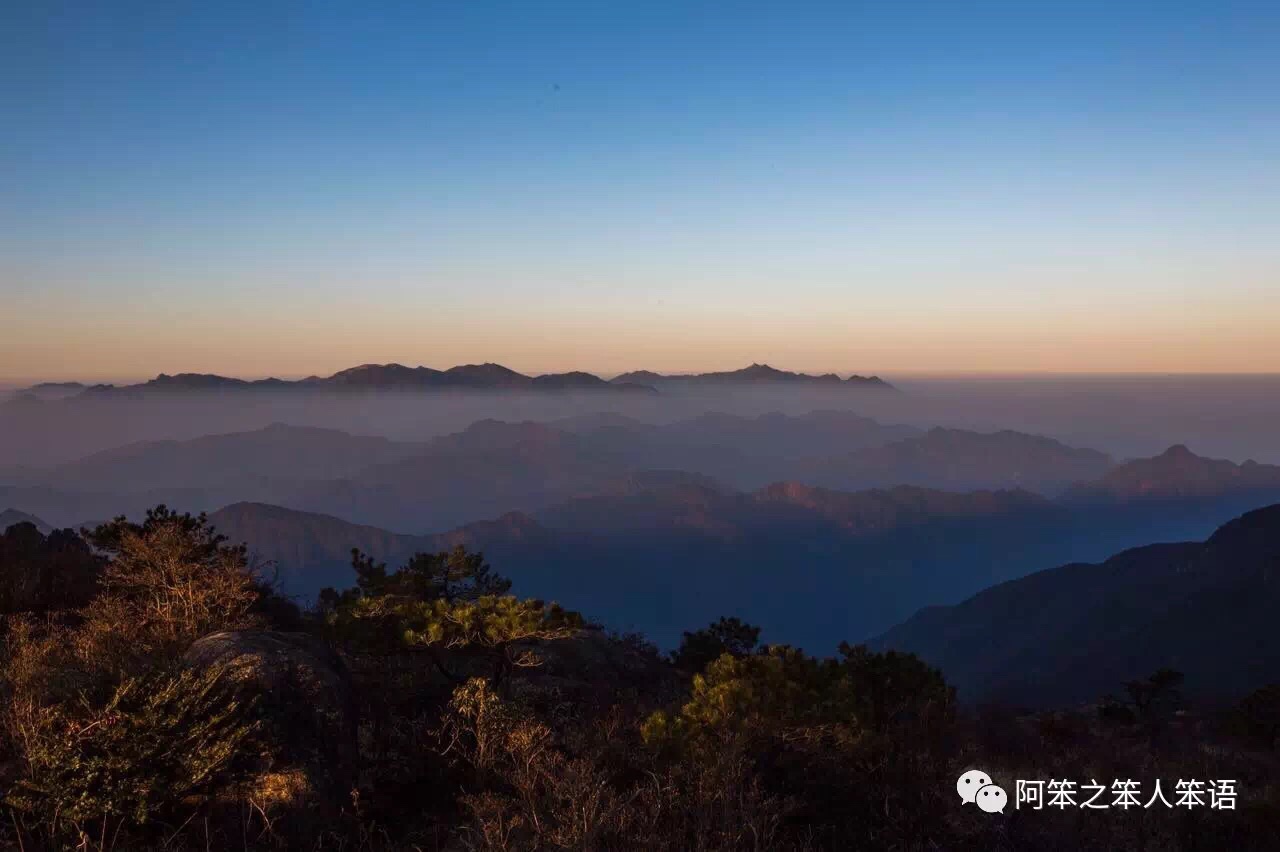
894,187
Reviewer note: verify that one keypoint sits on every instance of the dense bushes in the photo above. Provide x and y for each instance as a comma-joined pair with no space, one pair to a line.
103,729
480,720
159,740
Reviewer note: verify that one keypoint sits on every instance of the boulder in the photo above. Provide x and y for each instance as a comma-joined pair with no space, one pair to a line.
303,693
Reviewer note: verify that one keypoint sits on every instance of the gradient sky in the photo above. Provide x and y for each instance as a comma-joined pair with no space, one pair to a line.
261,188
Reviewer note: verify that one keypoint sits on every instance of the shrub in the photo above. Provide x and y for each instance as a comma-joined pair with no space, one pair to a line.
159,745
171,579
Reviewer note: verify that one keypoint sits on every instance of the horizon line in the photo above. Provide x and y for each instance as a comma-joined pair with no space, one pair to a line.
20,382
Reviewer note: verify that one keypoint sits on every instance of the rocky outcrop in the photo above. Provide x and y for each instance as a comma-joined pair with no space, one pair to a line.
303,694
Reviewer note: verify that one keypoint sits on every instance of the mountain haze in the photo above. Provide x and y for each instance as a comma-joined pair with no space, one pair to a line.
662,550
1179,473
962,459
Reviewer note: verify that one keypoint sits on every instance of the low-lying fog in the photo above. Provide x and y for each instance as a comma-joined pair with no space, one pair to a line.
1234,417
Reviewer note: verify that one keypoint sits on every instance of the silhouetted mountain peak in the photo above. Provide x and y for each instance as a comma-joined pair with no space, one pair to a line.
12,517
193,381
751,373
53,390
643,377
369,377
57,386
380,375
487,375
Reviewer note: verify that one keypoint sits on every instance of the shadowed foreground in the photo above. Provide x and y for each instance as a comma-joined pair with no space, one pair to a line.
158,696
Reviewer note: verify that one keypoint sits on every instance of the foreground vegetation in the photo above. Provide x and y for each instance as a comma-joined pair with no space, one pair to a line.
157,694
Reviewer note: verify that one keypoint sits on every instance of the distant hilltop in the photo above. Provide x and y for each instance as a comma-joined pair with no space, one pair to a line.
754,373
463,377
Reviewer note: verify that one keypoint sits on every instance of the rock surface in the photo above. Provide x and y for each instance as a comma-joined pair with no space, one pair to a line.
305,697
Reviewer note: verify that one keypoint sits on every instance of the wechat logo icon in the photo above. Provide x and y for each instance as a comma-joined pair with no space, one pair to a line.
975,787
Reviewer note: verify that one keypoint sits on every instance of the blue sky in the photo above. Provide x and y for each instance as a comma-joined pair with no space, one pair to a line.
876,187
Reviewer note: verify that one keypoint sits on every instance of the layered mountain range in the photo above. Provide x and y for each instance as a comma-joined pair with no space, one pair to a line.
820,527
754,373
493,467
488,376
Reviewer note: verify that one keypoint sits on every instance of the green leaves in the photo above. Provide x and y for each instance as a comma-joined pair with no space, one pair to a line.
445,600
783,693
488,622
777,691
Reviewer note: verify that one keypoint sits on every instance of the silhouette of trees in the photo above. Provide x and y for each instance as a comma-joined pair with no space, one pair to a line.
725,636
452,575
444,601
40,573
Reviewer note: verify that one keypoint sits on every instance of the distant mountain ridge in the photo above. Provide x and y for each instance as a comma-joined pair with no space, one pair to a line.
964,460
1178,473
487,376
752,374
55,390
658,550
492,467
364,377
305,551
10,517
280,451
651,552
664,549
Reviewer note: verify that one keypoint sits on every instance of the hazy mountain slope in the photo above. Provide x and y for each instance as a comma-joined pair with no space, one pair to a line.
959,459
790,437
1178,473
1072,633
746,452
486,470
54,390
277,452
306,551
661,551
692,505
9,517
62,509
